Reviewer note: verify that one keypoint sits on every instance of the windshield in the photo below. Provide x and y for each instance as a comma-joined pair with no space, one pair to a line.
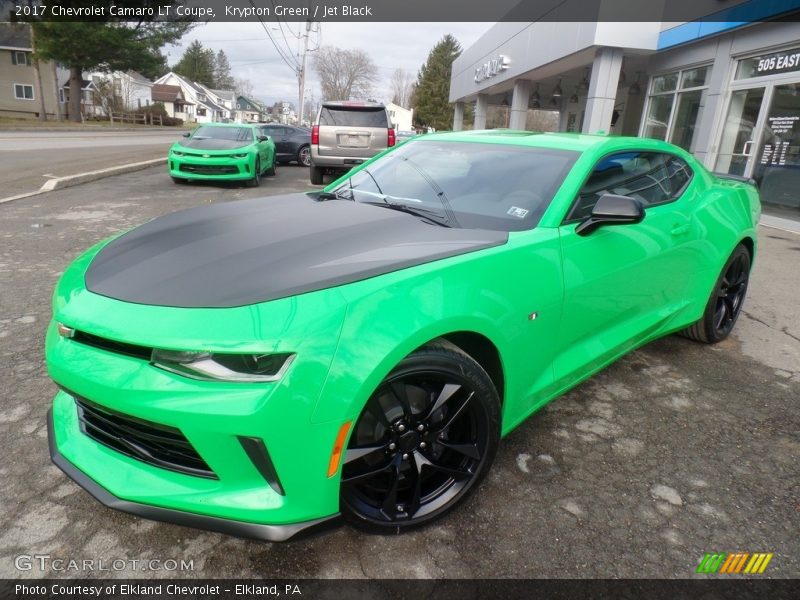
467,185
234,134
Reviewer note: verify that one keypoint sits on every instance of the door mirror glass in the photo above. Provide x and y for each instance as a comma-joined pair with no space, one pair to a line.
612,209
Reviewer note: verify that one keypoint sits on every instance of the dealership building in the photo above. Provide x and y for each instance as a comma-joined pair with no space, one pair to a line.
726,90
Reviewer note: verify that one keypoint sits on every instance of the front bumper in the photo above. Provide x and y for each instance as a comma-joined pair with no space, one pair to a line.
212,417
197,166
270,533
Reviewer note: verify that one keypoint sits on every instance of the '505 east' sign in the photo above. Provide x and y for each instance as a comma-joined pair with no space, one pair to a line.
768,64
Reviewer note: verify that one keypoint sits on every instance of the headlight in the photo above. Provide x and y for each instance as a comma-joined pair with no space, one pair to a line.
224,367
245,155
177,153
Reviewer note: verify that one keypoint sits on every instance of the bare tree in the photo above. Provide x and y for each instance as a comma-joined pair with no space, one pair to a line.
243,87
345,74
402,87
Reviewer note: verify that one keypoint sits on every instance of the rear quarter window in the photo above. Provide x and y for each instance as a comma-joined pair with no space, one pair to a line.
353,117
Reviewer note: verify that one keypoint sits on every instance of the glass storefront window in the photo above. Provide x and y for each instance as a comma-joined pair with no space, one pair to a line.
694,78
686,118
777,167
658,113
672,113
665,83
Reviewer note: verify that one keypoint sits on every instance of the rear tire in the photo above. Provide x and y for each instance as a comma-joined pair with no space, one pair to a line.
725,304
316,174
304,156
425,440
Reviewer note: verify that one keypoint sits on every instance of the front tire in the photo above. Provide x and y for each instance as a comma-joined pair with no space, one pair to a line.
271,171
179,180
316,174
725,304
256,180
423,443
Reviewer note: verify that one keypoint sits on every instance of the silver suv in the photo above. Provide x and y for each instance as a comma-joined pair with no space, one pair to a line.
346,134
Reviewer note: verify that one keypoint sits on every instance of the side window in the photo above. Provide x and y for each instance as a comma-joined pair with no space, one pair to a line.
651,177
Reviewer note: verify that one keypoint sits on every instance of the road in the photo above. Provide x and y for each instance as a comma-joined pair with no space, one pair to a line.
29,158
676,450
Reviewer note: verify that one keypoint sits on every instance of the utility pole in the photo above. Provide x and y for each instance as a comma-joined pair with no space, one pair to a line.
301,74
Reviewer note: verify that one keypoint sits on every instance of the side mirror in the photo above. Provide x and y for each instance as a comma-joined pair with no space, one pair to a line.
263,138
187,134
612,209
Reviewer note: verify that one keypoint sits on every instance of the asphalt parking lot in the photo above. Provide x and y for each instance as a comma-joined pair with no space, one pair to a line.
676,450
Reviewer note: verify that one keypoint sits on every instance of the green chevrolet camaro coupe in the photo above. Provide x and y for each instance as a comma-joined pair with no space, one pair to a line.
223,152
266,366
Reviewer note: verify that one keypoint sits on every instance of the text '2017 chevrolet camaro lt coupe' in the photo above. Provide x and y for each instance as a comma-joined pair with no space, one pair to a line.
263,367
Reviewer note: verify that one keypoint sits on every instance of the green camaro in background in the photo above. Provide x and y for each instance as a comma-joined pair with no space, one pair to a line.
262,367
224,152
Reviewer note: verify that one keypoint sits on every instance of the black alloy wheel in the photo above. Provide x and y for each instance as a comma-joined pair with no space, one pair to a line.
304,156
425,439
725,303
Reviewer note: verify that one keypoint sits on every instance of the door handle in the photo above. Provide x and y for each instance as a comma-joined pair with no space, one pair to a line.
680,229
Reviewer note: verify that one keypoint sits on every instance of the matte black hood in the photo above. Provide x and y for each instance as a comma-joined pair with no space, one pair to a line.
239,253
213,144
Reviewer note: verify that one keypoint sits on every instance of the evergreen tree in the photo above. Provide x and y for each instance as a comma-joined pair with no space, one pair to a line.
198,64
107,45
433,85
223,79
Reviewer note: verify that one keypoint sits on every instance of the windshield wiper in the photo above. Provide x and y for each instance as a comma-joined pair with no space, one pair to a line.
432,216
337,195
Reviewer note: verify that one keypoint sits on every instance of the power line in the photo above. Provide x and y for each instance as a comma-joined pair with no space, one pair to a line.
293,66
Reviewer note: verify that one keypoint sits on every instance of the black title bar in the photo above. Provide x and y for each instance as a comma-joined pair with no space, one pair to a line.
403,10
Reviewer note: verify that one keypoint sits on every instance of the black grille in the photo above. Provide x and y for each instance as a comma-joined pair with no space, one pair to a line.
112,346
149,442
211,169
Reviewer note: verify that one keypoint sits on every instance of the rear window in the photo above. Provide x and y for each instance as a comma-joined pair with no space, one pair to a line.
357,116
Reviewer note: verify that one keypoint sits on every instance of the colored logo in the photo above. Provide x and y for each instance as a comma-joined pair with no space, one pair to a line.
734,562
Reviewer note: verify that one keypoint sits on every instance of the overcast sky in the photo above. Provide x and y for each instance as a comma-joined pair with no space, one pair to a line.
390,45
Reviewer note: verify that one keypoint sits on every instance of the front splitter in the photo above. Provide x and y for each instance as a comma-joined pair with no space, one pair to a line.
256,531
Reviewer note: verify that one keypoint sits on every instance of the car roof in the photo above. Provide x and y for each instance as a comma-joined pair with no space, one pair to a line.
228,124
353,104
580,142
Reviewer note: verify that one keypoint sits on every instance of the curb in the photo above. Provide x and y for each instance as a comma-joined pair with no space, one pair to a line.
71,180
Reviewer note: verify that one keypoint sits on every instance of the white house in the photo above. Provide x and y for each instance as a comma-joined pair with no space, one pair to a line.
402,118
132,90
200,105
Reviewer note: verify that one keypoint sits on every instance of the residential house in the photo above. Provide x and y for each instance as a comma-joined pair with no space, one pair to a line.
248,111
226,99
172,98
89,107
127,91
20,95
200,106
401,118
